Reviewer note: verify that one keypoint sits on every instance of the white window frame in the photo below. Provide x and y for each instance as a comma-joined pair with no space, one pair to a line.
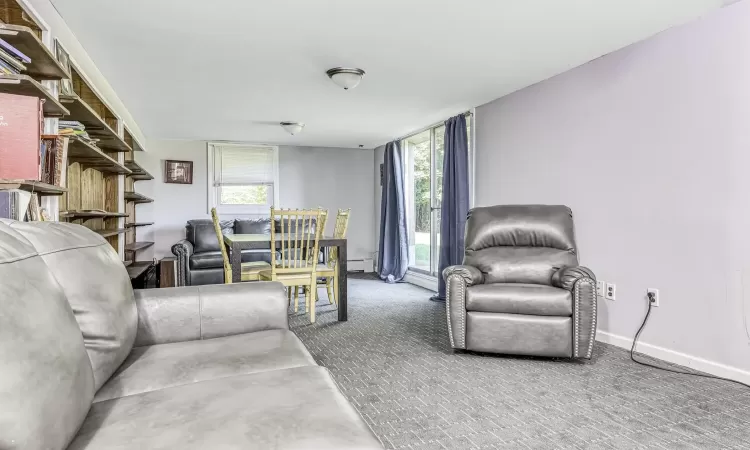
213,191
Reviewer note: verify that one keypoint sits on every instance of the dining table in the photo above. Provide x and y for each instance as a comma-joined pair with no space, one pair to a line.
235,243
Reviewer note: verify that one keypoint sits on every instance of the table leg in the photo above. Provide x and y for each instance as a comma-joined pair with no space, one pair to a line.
342,282
235,260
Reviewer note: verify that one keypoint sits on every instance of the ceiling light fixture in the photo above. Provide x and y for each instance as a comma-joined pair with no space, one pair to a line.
292,127
347,78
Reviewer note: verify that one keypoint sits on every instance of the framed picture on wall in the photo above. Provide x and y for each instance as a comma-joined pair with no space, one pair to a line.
179,172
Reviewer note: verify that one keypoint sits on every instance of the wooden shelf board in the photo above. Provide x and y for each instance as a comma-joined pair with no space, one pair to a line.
137,198
110,232
138,173
137,246
27,86
96,127
127,263
89,155
43,65
137,268
138,224
89,215
31,186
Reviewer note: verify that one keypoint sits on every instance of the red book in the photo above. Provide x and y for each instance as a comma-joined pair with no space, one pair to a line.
20,136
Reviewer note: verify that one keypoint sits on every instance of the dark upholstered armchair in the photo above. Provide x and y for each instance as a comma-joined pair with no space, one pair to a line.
520,289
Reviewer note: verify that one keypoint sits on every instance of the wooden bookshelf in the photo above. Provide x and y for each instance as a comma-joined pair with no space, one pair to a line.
40,188
89,155
110,232
11,12
136,225
138,173
43,65
96,126
132,142
136,269
27,86
137,246
135,197
90,215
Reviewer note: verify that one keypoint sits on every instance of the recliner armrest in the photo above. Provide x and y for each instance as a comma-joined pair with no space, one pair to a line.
470,274
183,250
581,282
204,312
566,277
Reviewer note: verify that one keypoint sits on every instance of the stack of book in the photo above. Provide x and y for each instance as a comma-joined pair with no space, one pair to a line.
11,59
73,128
53,157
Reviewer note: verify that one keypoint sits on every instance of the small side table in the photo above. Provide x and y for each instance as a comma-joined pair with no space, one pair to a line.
168,272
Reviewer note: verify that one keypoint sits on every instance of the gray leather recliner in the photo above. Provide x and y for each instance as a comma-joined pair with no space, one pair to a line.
520,289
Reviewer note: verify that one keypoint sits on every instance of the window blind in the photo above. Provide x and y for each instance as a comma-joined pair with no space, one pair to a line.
243,165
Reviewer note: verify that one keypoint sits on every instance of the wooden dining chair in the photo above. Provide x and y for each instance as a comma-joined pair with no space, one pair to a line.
250,270
322,229
330,270
297,239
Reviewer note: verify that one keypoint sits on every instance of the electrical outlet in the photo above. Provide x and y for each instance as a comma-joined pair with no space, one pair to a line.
655,301
600,288
611,292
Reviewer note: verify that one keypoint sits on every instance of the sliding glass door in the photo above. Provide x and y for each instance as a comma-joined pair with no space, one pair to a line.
424,194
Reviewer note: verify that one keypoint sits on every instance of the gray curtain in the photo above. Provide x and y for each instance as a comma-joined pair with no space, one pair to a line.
393,258
455,204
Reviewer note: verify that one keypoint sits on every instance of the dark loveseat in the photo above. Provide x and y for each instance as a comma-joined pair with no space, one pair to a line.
199,256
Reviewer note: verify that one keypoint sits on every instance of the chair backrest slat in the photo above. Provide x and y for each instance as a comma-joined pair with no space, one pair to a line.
339,232
296,238
224,255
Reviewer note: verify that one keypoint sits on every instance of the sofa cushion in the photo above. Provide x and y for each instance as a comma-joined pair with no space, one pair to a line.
206,260
298,408
96,285
166,365
202,235
252,226
517,298
46,382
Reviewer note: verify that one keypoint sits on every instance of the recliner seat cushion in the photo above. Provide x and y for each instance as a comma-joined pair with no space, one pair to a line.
46,382
298,408
167,365
518,298
96,285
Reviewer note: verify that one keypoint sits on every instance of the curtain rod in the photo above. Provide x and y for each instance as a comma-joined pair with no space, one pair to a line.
436,124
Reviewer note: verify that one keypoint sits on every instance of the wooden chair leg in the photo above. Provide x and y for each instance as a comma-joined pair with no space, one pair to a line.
296,298
336,284
289,295
313,289
329,290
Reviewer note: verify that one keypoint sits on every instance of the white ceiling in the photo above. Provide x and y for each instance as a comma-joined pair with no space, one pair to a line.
233,69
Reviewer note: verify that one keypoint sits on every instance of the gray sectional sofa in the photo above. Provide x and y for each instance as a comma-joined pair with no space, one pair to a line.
86,363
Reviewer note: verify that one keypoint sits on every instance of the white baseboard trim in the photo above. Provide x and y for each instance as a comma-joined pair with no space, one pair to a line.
675,357
420,280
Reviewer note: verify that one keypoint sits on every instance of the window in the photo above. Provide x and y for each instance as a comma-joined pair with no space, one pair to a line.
243,179
423,153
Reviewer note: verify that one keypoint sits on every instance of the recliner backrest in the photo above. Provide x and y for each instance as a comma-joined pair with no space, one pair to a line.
520,243
201,233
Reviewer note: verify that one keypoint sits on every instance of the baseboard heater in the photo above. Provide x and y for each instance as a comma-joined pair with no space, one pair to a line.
359,265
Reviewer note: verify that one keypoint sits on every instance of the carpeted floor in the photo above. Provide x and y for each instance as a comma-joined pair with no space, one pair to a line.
393,361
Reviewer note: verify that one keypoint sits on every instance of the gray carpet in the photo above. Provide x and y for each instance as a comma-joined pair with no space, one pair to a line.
393,361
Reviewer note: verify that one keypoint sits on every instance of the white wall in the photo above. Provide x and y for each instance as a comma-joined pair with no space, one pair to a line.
309,177
650,148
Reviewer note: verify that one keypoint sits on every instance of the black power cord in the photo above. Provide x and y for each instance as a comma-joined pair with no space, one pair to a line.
650,299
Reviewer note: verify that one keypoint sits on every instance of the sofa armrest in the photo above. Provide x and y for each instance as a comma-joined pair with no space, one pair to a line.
183,250
470,274
457,280
204,312
581,282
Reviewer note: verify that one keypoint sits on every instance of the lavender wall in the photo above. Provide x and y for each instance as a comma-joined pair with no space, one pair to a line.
650,147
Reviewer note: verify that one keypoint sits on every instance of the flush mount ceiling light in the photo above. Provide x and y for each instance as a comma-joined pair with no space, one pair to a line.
345,77
292,127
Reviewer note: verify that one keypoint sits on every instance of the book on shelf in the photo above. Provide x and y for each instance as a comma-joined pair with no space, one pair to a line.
73,128
14,52
8,59
14,204
61,163
34,211
20,136
48,158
